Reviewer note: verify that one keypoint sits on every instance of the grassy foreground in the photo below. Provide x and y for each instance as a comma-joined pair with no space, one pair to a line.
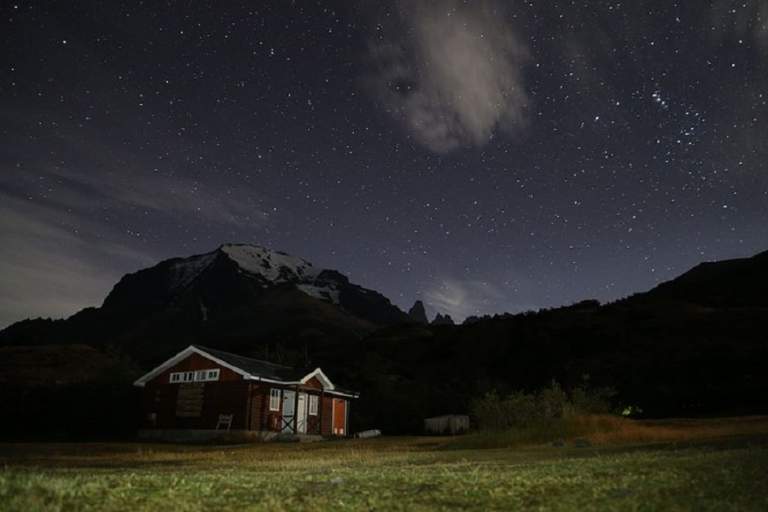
726,469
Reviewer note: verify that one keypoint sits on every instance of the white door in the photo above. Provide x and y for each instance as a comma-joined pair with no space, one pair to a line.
289,398
301,426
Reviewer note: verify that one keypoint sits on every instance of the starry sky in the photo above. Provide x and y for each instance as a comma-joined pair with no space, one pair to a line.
483,156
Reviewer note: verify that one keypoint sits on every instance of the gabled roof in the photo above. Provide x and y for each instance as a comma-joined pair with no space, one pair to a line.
250,369
255,367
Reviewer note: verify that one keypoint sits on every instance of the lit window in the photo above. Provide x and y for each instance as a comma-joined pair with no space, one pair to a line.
313,399
274,399
207,375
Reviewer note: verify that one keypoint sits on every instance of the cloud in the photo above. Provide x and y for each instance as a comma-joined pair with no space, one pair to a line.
51,269
451,73
75,219
461,298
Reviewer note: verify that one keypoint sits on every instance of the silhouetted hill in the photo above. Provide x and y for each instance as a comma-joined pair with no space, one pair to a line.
729,283
692,346
696,345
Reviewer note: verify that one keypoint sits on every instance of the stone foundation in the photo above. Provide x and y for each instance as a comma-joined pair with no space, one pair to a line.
221,436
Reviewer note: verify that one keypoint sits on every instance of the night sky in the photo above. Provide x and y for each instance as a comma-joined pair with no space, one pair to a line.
481,156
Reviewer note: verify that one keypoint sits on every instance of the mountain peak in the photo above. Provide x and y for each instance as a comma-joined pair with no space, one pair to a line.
443,320
417,313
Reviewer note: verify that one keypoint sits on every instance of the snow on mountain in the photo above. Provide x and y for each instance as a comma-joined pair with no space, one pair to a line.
325,292
278,267
183,272
274,266
266,267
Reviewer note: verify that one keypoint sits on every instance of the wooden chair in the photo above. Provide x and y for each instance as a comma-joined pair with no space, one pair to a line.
225,421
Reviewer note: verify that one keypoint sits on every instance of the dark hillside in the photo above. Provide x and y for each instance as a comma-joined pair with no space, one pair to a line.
696,345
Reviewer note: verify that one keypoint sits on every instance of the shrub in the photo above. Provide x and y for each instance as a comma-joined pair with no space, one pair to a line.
552,402
588,400
539,409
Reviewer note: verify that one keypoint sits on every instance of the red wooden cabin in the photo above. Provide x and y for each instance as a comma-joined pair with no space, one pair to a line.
200,392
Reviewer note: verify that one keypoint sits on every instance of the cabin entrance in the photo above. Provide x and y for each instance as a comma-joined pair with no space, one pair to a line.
289,407
301,425
294,412
339,417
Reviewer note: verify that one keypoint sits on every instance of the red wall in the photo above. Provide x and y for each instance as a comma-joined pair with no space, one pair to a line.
247,401
228,395
195,362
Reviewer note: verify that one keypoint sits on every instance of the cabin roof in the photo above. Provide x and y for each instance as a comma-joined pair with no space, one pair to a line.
250,369
257,367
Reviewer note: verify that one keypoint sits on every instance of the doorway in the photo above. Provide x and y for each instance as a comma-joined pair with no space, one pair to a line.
289,403
301,425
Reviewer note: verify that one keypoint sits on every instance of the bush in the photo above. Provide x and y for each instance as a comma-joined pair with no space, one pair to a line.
552,402
539,409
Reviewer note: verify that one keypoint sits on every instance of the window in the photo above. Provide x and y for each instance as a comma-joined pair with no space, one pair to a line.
208,375
274,399
313,399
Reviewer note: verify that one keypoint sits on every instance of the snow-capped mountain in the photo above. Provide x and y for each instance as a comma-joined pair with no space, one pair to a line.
265,266
235,274
235,297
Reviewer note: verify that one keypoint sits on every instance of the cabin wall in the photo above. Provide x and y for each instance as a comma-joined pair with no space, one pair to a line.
313,383
326,428
197,405
264,419
259,397
195,362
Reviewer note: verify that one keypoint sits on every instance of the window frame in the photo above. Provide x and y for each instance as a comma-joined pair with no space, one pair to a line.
205,375
314,405
275,395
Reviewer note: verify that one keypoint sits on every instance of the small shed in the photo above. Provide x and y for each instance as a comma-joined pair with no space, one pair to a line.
453,424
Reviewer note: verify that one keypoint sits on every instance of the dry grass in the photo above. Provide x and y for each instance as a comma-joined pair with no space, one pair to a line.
259,456
615,430
631,471
327,456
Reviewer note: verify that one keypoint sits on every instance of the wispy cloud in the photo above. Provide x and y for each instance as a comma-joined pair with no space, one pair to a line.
52,269
461,298
451,71
74,220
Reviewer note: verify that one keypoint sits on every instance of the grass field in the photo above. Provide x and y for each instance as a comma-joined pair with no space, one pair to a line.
672,465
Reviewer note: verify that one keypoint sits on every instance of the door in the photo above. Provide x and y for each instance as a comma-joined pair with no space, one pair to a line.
301,414
289,405
339,417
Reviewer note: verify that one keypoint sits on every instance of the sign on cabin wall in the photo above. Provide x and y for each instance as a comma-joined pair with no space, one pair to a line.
189,400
